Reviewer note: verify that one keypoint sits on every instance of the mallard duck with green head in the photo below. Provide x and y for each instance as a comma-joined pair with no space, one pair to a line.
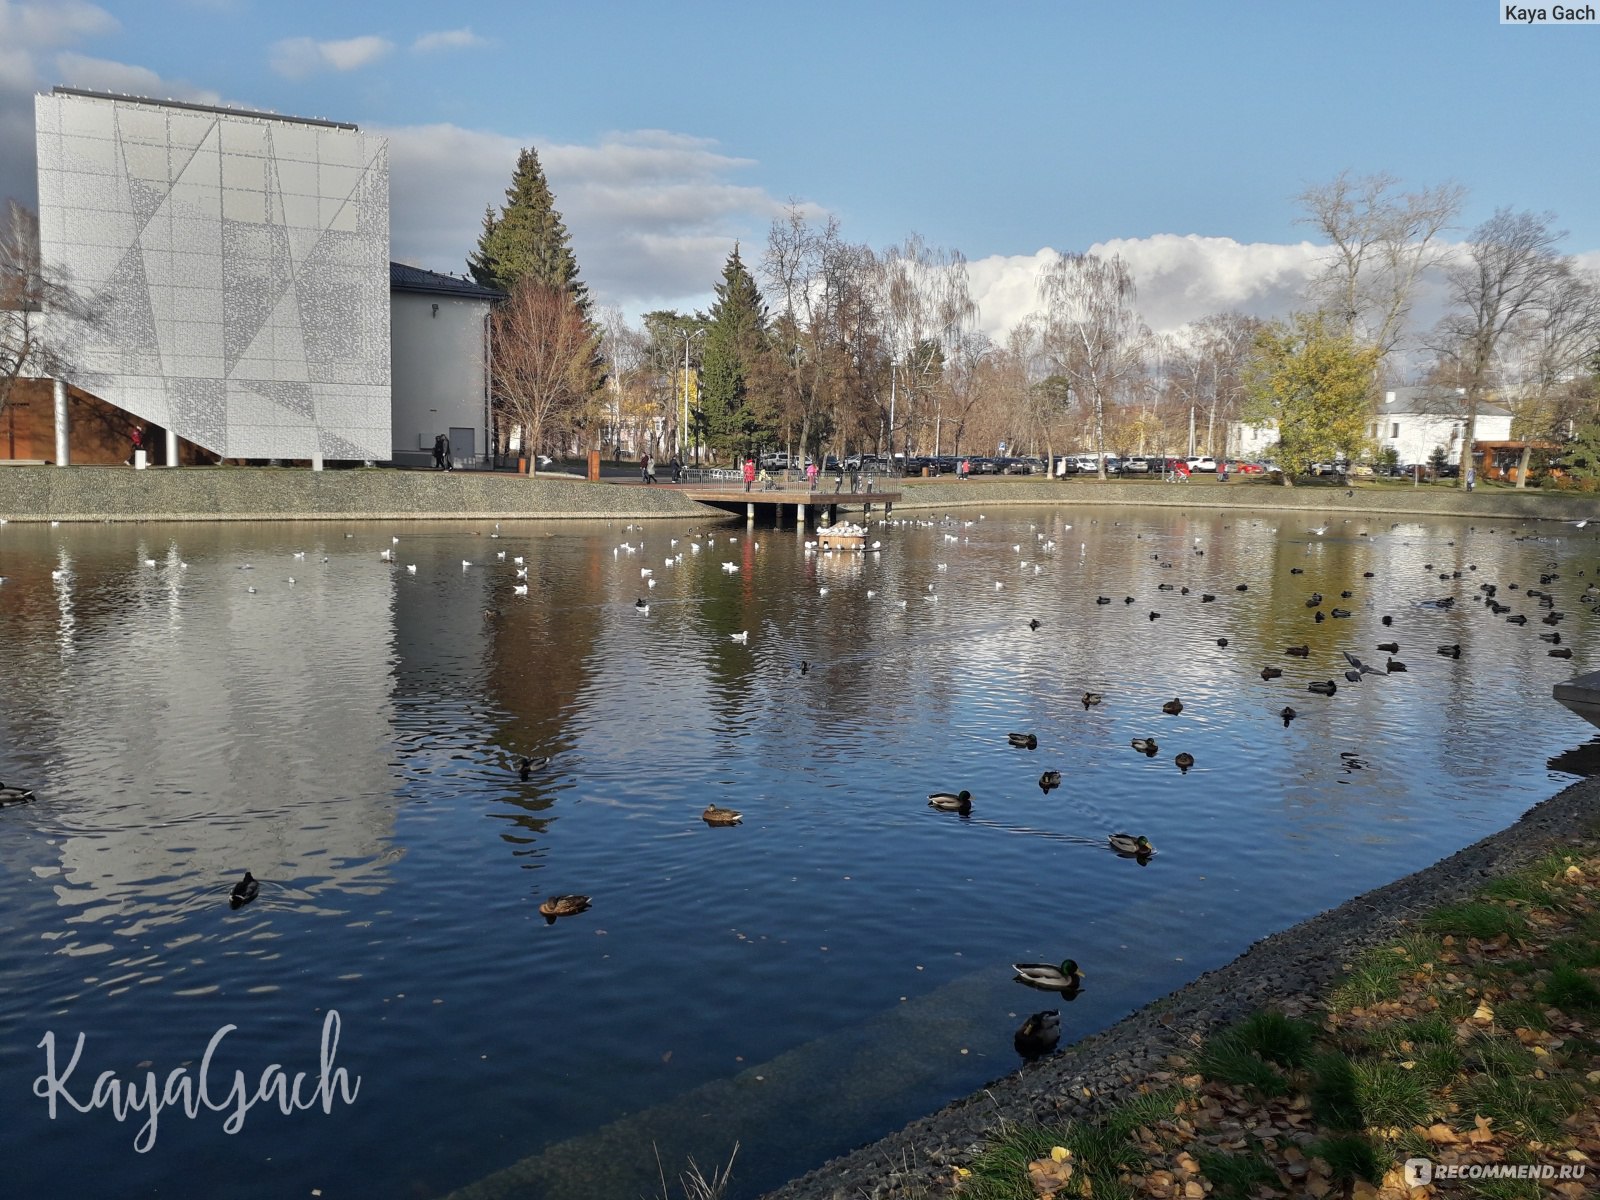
1129,846
1066,978
14,795
957,802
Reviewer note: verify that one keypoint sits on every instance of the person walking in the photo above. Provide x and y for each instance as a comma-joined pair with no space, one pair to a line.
966,470
440,446
135,444
677,470
644,467
811,475
749,473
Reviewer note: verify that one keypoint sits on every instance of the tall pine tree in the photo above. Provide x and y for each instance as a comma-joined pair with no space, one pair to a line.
735,342
528,238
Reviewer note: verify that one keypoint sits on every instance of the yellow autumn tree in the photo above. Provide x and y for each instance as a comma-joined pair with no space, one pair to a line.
1316,385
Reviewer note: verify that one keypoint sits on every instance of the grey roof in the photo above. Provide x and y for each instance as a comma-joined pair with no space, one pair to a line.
58,90
403,278
1434,401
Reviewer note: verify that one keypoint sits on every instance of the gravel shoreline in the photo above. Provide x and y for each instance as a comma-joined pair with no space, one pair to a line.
1295,964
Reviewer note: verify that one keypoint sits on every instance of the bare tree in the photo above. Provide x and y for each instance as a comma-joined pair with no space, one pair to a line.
1092,333
925,302
544,363
1382,240
1511,272
37,311
1208,369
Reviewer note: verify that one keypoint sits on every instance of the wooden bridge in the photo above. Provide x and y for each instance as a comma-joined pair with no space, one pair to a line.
729,494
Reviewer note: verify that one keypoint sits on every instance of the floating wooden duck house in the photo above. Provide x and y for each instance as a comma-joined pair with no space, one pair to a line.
842,537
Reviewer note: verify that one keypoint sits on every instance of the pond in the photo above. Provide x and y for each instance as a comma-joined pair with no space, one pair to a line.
191,702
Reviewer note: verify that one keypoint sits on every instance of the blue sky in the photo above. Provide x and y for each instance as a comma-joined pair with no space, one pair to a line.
1176,134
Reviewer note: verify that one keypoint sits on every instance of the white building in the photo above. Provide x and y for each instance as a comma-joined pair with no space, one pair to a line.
240,261
1417,420
1411,420
439,327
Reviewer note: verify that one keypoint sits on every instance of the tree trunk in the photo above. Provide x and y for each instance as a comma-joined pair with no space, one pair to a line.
1522,467
1100,434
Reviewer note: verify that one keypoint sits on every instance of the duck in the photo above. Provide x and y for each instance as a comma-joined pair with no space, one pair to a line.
639,603
1561,652
563,906
246,890
1340,613
1288,714
1452,651
530,765
957,802
1553,638
1172,707
1130,846
1394,666
1102,600
1090,699
1207,598
1039,1034
1184,761
721,816
1023,741
805,667
1321,688
1272,672
1035,623
1049,780
1146,746
1066,978
1222,643
1316,599
1298,651
1321,616
1389,647
1387,619
14,795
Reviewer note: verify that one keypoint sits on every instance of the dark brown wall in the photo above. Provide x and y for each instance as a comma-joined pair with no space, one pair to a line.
99,431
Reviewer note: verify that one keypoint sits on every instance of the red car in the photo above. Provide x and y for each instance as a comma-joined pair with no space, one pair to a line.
1245,468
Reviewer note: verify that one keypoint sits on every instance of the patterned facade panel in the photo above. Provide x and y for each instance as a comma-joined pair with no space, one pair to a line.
242,265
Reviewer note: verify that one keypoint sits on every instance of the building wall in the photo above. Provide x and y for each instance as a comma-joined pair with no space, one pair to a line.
98,434
1420,432
439,372
242,266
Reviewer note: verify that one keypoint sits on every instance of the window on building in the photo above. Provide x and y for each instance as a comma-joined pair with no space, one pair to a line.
1394,429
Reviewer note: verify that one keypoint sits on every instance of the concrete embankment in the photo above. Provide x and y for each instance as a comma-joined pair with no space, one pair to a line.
283,494
1257,495
41,493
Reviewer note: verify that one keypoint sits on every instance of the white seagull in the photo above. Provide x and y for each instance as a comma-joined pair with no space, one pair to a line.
412,568
741,637
519,589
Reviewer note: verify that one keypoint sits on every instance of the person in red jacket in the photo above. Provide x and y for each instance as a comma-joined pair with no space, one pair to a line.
749,473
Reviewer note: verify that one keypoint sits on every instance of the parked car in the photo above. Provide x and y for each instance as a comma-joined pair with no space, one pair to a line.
1137,465
1247,468
1202,462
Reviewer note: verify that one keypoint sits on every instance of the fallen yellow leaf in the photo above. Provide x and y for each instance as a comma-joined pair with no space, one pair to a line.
1485,1013
1060,1153
1482,1133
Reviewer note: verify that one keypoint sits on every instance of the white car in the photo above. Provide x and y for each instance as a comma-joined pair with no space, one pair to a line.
1203,462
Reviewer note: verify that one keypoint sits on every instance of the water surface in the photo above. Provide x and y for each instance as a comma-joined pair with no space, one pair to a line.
804,982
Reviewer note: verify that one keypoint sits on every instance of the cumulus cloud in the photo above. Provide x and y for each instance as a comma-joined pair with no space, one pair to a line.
448,39
106,75
1180,278
652,213
297,57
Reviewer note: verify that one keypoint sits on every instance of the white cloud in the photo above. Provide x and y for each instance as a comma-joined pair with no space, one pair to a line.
105,75
652,214
448,39
59,23
298,57
1180,278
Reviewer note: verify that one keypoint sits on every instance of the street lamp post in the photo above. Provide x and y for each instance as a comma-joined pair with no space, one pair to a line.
688,336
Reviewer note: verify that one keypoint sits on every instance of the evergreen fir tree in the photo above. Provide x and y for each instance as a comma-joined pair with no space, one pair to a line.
528,238
735,341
